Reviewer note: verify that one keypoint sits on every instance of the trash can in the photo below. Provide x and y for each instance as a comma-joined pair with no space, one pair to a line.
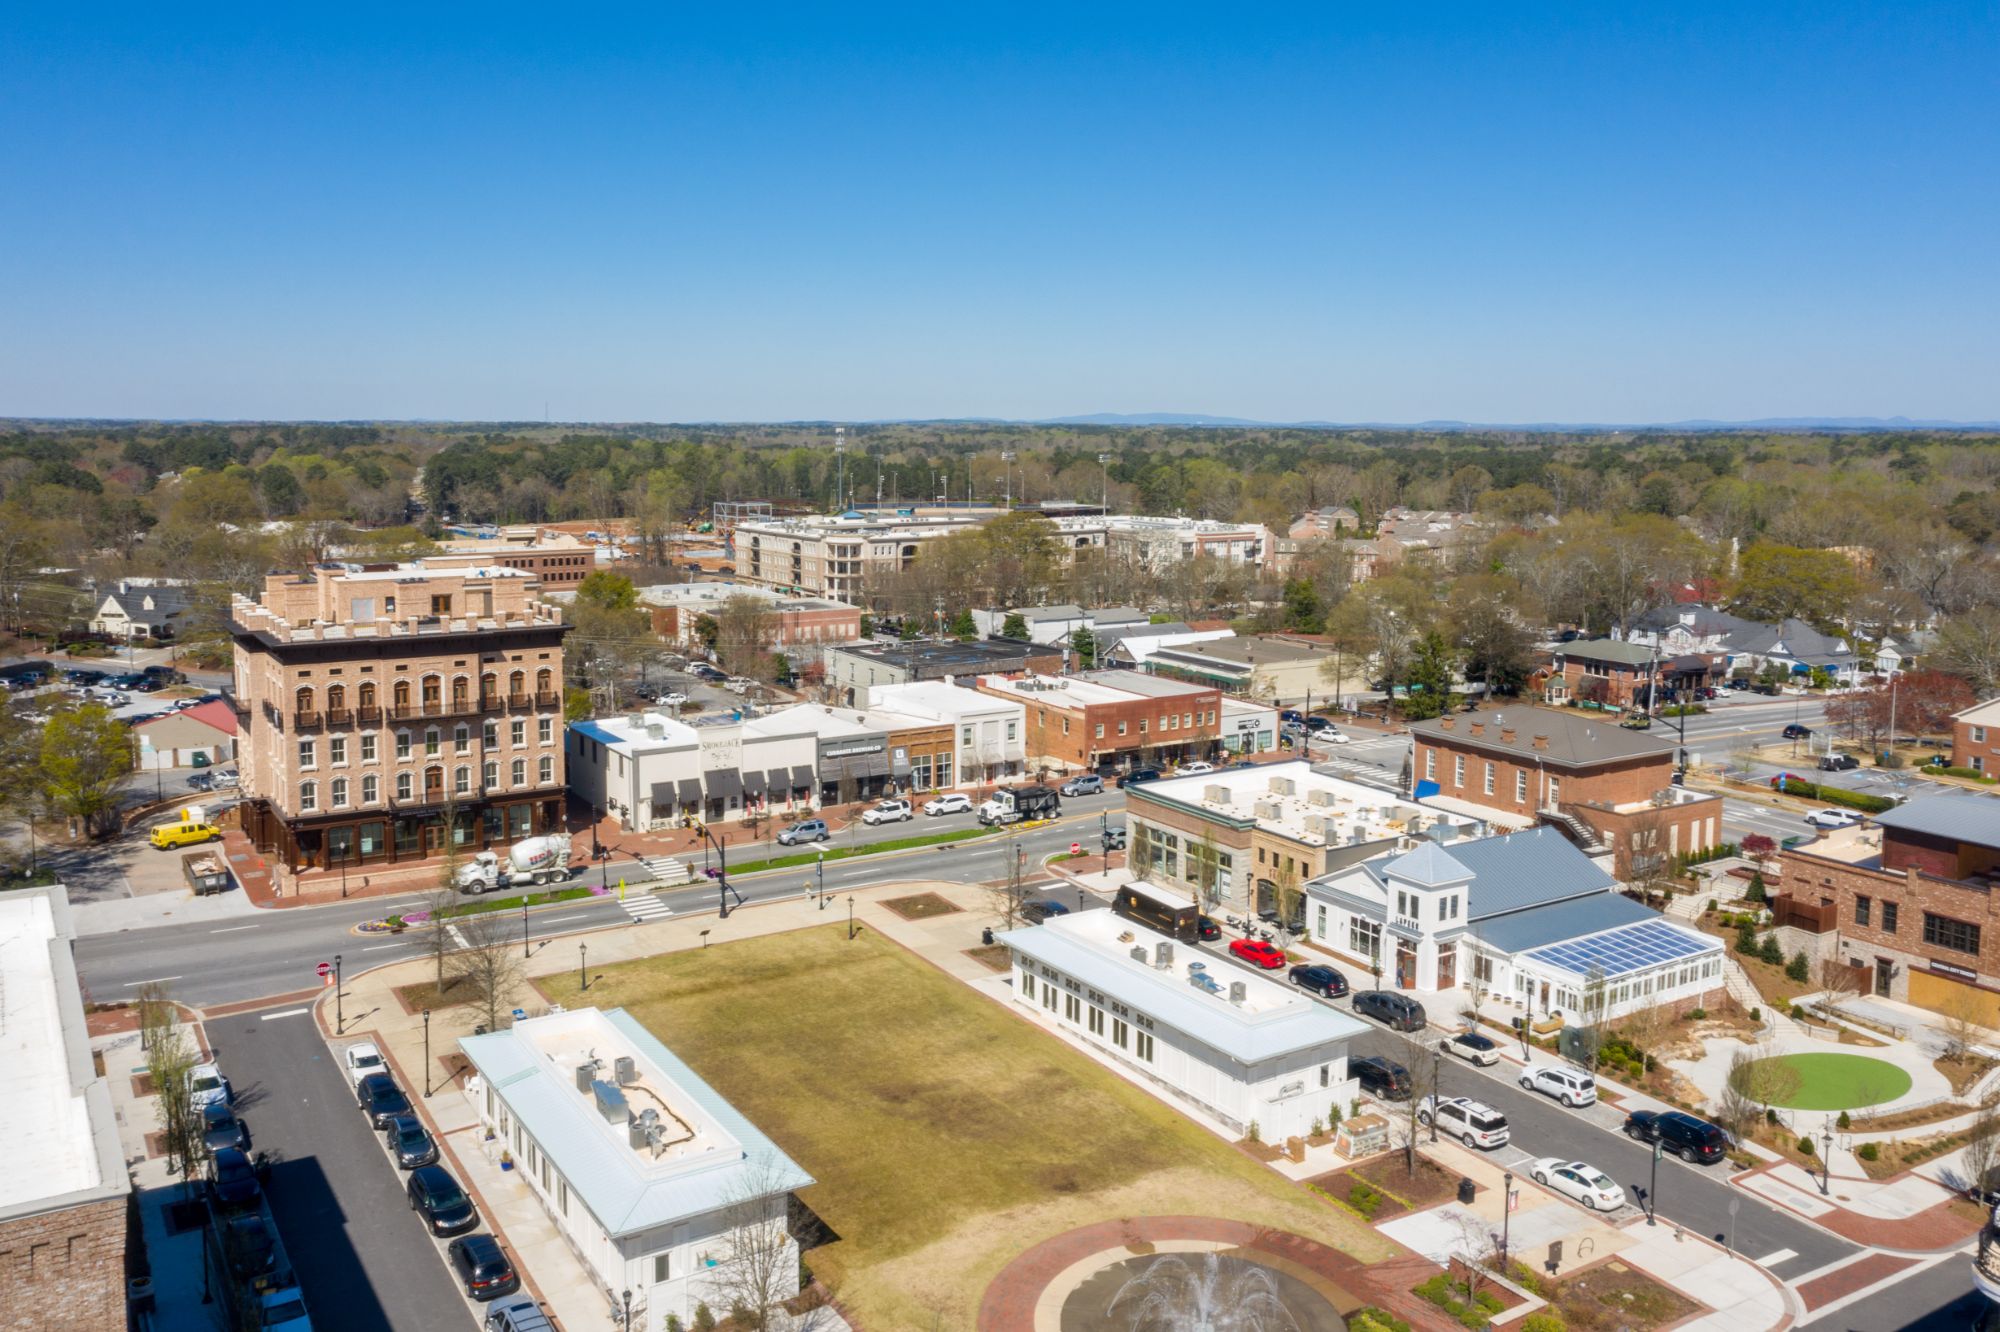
986,935
1466,1190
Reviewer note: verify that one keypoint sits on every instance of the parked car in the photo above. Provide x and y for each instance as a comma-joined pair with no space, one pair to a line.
1114,837
673,698
1317,723
1473,1048
1573,1179
956,802
1833,818
363,1059
1695,1141
1258,953
1572,1086
1474,1123
435,1195
1327,735
221,1128
482,1267
183,832
1088,783
1204,926
1382,1078
1794,731
1037,912
1286,716
1638,721
736,684
1194,769
1321,980
409,1142
517,1316
381,1099
249,1247
207,1086
232,1180
226,779
1839,763
805,830
888,811
1137,775
1398,1012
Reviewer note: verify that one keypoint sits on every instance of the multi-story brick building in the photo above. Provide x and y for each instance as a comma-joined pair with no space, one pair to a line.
64,1195
1907,899
1603,670
831,556
1975,738
372,703
677,610
1111,718
557,559
1601,783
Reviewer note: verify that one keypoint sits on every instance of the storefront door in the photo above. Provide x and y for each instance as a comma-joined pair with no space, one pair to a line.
1447,968
1406,966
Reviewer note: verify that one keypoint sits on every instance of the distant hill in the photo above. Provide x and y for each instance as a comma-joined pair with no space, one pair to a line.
1763,423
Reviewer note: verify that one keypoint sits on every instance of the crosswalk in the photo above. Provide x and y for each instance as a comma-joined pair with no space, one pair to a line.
665,869
642,907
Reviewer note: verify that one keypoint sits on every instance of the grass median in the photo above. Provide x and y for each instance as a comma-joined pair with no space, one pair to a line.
865,849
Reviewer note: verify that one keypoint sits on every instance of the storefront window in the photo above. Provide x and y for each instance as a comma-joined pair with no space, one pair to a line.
520,821
406,837
339,844
368,837
494,818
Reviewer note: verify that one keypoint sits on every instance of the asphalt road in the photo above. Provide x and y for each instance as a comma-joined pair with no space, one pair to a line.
362,1256
1938,1298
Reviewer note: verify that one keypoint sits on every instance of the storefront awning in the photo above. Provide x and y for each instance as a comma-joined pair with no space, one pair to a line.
664,796
723,783
753,782
802,775
779,781
690,790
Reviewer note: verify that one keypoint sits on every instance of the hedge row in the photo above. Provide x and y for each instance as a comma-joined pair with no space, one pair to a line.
1839,795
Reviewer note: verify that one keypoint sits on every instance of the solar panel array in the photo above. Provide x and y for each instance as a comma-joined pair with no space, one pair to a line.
1624,950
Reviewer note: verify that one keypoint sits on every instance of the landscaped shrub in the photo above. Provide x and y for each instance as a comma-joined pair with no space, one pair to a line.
1843,1122
1771,951
1544,1322
1333,1117
1698,1014
1770,1115
1254,1133
1799,968
1746,938
1756,1015
1756,892
1364,1198
704,1318
1805,1147
1972,774
1371,1319
1868,1151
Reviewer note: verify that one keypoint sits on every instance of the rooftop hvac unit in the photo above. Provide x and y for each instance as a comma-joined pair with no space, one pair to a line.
1268,810
1321,797
586,1072
635,1134
1163,955
1139,954
626,1070
610,1101
1283,786
1238,993
1441,831
1215,793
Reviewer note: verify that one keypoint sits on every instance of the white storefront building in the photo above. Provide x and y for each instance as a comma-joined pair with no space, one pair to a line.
658,1184
1238,1047
1525,916
989,730
651,770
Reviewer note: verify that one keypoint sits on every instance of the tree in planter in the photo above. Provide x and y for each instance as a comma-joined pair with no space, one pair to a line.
1746,938
1593,1006
1477,1245
1839,980
1422,1063
1982,1145
1963,1025
1759,847
170,1062
1756,892
489,962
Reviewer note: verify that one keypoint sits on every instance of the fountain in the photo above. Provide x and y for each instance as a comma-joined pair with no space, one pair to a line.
1212,1293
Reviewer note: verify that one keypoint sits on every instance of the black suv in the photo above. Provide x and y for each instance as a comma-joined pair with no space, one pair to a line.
1037,912
381,1099
1398,1012
445,1208
1381,1077
1838,763
1695,1141
1794,731
482,1268
1138,775
1320,980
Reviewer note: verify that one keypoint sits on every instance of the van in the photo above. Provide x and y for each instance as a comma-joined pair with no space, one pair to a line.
517,1315
187,831
1398,1012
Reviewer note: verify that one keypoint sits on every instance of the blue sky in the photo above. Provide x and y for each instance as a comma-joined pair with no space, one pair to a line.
1526,213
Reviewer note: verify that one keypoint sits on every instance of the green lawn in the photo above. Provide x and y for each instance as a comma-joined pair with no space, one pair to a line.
946,1134
1839,1081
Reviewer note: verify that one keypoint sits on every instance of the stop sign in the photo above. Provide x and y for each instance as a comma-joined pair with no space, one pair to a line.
326,969
1076,848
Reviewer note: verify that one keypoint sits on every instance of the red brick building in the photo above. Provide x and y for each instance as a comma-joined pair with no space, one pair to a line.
676,608
1602,670
1908,900
1605,785
1975,738
1111,718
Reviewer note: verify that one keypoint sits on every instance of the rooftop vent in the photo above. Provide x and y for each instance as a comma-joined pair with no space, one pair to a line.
586,1072
626,1070
1215,793
1139,954
1163,955
1283,786
610,1101
1507,734
1539,742
1238,993
1320,797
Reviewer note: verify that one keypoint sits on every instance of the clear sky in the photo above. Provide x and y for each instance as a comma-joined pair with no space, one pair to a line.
753,212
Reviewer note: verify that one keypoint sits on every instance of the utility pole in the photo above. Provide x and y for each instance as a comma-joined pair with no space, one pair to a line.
1104,466
1007,463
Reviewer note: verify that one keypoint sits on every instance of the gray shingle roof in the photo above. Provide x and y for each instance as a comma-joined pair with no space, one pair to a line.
1963,818
1558,922
1526,869
1609,650
1574,737
1430,865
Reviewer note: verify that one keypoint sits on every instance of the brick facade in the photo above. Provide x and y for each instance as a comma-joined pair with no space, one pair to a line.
1975,739
1138,730
791,626
64,1268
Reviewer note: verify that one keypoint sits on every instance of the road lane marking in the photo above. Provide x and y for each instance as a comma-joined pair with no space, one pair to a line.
376,948
574,915
289,1012
232,929
130,985
1773,1259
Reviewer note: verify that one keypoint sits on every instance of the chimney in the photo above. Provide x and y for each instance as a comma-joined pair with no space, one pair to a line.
1507,734
1445,723
1540,742
1913,875
1479,728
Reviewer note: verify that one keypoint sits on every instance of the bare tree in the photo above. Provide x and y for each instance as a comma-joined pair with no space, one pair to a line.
1982,1144
756,1260
1964,1025
1477,1246
170,1063
1010,895
440,945
1734,1108
1594,1006
1761,1078
1422,1062
487,960
1839,980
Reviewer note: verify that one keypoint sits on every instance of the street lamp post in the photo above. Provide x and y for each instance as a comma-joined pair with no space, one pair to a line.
1653,1189
819,873
582,966
1506,1214
627,1321
850,915
1826,1158
524,925
339,1018
1437,1086
427,1054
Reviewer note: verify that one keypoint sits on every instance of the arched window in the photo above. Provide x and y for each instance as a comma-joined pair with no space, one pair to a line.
371,790
308,796
433,693
548,770
542,680
461,738
490,777
490,734
336,698
338,792
302,701
403,746
517,686
461,692
520,772
489,688
365,695
402,695
461,781
402,786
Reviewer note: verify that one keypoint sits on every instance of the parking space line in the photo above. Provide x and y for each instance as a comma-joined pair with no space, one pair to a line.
1773,1259
288,1012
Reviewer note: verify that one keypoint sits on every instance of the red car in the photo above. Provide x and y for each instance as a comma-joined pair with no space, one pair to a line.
1259,952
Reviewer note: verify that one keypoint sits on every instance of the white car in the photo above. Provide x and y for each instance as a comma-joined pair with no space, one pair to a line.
1190,769
1572,1086
1584,1183
671,700
362,1060
1833,818
207,1086
1474,1123
1473,1048
1332,737
227,778
736,684
889,811
957,802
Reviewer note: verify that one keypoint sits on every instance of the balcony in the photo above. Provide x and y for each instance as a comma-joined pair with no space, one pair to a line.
367,713
548,699
520,702
339,716
305,719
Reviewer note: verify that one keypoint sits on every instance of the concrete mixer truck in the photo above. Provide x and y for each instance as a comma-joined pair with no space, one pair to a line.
531,861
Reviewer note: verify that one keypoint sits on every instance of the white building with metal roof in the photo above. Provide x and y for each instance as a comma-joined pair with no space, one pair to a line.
1239,1047
656,1181
1525,916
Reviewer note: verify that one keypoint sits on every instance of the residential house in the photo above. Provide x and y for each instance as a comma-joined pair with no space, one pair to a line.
204,733
1975,738
138,609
